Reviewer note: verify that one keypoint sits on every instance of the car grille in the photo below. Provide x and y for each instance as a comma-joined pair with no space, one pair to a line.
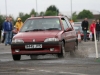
38,49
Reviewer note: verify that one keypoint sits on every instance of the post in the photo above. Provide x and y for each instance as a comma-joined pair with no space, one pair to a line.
6,7
71,9
36,8
95,44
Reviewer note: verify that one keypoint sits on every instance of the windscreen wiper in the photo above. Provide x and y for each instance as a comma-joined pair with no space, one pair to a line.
52,29
34,30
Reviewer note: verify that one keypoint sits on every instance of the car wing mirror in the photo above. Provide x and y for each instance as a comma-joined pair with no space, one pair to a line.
68,29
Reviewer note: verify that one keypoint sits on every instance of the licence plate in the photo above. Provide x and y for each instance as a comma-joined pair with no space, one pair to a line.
31,46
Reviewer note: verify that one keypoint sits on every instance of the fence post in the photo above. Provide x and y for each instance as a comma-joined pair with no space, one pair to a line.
95,43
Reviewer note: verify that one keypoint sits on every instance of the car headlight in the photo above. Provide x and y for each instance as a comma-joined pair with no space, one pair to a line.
17,41
51,39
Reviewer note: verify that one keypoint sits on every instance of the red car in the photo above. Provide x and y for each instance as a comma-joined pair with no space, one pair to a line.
44,35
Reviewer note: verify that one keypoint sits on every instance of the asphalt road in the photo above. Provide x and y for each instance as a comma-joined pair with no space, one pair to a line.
83,63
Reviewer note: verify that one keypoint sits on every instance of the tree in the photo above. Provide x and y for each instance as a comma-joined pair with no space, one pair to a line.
85,14
33,12
25,17
52,9
2,19
50,13
21,14
42,13
74,17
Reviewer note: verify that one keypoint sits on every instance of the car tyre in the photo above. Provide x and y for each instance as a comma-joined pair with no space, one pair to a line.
72,52
62,54
33,57
16,57
76,45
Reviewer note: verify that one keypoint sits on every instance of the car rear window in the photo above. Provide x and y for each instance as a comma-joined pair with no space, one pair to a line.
41,23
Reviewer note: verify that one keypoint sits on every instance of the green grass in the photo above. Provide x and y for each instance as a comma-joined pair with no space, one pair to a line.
98,60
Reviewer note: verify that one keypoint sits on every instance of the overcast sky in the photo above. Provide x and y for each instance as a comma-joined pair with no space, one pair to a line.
25,6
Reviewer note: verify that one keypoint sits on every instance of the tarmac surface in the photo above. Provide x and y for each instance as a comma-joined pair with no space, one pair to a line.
83,63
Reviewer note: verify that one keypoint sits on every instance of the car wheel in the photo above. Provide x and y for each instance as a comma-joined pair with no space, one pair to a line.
16,57
33,57
62,54
72,52
76,45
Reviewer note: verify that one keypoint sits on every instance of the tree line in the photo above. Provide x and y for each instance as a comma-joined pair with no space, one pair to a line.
50,11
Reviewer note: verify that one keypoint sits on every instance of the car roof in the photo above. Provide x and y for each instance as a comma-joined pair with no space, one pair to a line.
45,17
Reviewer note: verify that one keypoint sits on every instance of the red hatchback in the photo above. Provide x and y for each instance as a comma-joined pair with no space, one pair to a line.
44,35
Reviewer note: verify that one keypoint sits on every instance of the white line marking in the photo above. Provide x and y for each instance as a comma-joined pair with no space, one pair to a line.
63,72
5,52
73,73
31,69
46,71
21,68
41,70
26,69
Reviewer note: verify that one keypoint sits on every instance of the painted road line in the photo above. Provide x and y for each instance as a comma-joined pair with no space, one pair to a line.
5,52
72,73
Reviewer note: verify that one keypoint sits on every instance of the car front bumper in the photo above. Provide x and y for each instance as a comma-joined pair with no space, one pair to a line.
47,48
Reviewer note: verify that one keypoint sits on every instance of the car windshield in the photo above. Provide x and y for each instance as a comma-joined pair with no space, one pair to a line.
41,24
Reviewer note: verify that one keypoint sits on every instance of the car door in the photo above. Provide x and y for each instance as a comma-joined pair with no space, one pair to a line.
68,35
73,32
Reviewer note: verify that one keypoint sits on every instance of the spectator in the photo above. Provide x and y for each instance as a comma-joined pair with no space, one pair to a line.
72,23
85,25
8,30
3,34
12,24
92,27
11,20
98,29
19,24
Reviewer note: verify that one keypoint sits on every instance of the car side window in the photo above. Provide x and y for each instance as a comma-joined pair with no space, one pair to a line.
64,23
68,23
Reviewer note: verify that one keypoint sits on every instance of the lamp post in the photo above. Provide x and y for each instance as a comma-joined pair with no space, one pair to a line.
71,9
6,6
36,8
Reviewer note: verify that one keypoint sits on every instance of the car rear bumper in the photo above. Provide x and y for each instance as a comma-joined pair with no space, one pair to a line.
47,48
